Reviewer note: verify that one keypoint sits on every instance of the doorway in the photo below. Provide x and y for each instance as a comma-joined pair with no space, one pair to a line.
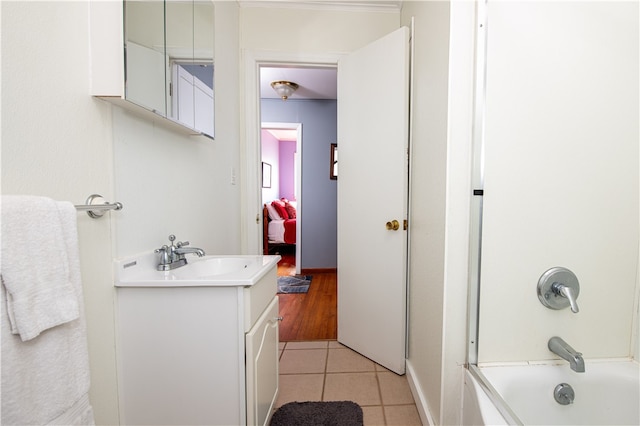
311,315
281,148
313,109
368,245
254,62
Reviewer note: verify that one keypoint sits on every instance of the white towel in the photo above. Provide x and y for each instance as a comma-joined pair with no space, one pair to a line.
81,413
46,379
35,264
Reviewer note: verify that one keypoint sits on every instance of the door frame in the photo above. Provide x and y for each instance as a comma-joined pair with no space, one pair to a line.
297,176
251,203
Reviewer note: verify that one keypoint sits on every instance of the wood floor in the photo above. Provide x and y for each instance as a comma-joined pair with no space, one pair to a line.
311,315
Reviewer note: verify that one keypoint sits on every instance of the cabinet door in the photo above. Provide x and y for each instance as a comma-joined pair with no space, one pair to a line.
145,85
262,366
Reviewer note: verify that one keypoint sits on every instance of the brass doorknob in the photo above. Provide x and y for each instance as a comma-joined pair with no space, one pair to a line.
394,225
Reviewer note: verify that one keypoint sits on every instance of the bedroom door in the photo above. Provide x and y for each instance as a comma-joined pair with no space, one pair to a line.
373,135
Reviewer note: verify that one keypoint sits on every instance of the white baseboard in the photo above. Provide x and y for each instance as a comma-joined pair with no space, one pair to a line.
419,397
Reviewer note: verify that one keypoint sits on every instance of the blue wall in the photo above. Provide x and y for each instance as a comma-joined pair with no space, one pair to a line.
319,193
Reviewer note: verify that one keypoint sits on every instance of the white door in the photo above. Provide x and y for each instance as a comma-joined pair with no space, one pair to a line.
373,111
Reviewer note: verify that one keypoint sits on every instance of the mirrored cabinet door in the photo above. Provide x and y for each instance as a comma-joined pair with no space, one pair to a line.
145,76
169,60
203,37
189,38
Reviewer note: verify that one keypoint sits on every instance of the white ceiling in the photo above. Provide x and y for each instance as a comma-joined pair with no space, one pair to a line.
315,83
283,134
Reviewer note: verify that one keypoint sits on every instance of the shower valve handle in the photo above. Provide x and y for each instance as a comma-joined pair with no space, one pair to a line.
564,291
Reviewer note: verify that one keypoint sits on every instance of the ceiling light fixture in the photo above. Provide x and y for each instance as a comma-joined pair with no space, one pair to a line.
284,89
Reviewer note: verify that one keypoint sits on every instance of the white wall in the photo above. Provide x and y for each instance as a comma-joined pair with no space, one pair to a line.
56,142
428,197
178,184
60,142
635,341
312,30
440,198
561,182
173,184
442,182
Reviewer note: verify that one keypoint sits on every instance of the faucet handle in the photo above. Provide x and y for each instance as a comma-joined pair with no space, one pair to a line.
179,244
164,254
567,292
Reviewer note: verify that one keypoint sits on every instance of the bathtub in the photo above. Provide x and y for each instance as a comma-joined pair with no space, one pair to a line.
607,393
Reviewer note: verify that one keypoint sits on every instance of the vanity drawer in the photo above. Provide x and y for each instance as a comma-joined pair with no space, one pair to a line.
258,296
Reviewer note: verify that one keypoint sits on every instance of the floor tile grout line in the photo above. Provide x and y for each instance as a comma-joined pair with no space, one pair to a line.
384,413
324,377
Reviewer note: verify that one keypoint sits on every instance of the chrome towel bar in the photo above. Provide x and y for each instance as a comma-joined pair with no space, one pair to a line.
96,206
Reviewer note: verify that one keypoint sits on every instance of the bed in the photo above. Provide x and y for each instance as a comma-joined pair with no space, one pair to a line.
279,225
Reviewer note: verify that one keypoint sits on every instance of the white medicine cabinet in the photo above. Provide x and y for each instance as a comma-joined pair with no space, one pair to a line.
156,57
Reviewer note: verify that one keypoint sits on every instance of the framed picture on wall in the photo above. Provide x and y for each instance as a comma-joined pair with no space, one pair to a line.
266,175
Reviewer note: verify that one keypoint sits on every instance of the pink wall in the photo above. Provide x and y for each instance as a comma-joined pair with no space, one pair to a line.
287,169
281,156
271,155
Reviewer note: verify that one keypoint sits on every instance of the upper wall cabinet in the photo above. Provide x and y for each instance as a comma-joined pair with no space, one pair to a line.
167,60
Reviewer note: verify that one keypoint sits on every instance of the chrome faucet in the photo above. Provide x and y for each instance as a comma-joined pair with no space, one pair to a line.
562,349
172,256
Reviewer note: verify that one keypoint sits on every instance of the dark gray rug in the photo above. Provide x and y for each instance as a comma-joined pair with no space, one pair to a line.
330,413
294,284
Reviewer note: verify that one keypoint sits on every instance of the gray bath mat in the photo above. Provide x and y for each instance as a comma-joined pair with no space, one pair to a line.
330,413
294,284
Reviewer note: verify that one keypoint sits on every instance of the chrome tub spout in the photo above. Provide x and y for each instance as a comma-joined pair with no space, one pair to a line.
566,352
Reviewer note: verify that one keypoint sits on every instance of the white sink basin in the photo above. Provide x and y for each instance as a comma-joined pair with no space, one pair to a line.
141,271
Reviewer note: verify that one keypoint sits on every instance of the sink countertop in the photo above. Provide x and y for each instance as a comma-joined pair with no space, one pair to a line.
140,271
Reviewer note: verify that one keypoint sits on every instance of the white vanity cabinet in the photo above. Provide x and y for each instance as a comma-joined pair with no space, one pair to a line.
182,351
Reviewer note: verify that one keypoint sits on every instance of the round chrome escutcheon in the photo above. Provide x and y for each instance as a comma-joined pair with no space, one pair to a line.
557,275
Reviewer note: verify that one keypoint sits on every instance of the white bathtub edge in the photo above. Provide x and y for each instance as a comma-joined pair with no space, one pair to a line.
502,409
418,396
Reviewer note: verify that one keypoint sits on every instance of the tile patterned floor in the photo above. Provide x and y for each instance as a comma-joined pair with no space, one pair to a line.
328,371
